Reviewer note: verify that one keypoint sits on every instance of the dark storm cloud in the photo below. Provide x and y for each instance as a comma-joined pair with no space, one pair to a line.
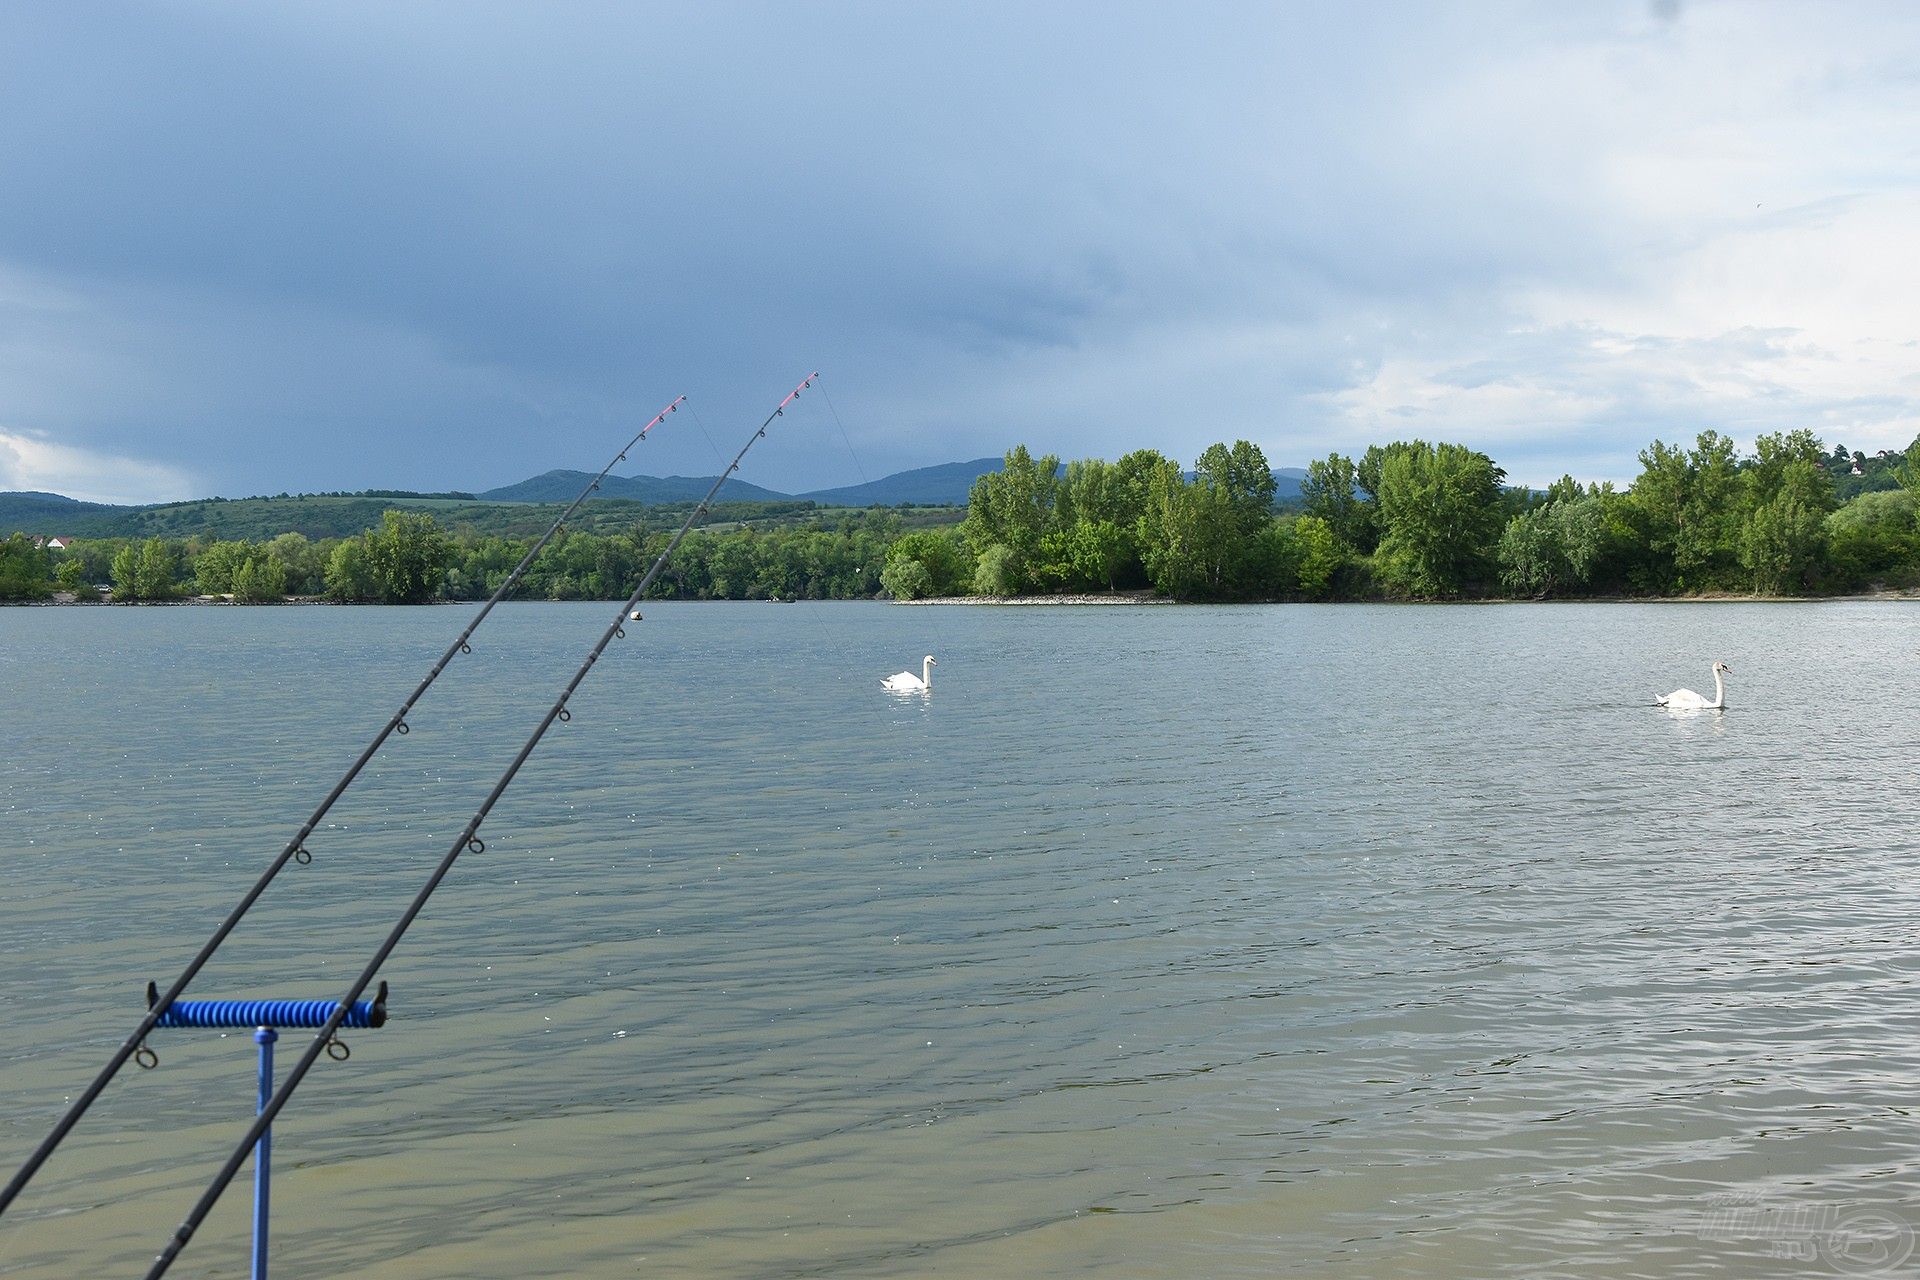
348,245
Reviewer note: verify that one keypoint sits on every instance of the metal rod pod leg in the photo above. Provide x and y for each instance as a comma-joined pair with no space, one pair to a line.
263,1154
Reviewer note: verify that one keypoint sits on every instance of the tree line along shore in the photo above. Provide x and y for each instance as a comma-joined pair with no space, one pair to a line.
1418,521
1405,521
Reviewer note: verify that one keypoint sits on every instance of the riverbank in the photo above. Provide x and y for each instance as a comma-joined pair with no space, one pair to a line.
1148,597
1109,599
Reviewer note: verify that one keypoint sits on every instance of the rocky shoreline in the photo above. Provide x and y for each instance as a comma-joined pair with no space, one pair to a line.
1107,598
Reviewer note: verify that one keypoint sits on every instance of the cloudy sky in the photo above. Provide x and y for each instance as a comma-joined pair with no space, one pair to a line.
247,248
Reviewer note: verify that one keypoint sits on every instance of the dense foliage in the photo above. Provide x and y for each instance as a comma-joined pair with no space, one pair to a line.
1406,520
1415,520
1098,526
337,515
24,573
409,558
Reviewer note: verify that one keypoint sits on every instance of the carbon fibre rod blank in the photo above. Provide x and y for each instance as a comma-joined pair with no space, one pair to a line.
296,847
468,838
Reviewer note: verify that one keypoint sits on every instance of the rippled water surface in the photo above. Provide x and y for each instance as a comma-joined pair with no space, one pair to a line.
1155,942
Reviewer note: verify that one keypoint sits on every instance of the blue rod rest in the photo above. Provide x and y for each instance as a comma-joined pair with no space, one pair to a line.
267,1013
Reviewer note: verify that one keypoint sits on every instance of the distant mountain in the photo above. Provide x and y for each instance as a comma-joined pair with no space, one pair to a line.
949,483
47,513
945,485
335,515
565,486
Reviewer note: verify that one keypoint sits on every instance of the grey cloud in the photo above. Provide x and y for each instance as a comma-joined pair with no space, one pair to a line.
346,245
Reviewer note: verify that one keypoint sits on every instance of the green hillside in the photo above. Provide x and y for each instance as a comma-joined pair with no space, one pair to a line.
319,516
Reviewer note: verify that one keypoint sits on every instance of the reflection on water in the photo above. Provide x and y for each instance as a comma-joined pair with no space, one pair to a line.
1163,942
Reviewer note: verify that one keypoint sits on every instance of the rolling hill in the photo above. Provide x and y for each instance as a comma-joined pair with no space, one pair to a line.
561,486
511,509
945,485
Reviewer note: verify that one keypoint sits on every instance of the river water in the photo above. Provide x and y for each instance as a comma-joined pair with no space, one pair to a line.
1154,942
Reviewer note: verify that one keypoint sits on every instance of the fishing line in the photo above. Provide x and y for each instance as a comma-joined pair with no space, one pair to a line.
717,455
844,436
467,841
296,848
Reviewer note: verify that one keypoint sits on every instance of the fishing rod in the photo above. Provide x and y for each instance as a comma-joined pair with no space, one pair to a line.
296,848
468,841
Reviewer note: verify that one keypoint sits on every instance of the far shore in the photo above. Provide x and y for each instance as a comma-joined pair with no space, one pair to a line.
1100,599
1147,597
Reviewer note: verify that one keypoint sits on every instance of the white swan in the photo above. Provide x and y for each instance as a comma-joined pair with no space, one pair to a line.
1688,700
907,682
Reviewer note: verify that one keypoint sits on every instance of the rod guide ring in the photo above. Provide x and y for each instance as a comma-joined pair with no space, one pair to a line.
301,856
337,1050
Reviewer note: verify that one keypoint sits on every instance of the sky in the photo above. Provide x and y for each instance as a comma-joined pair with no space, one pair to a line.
250,248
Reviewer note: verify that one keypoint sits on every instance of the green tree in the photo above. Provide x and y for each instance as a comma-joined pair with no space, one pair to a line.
907,579
1440,516
1244,481
1562,547
214,568
1907,473
1128,486
1784,544
731,568
144,571
1014,508
1690,512
947,570
305,562
1565,489
1102,551
993,573
126,572
1368,470
483,564
1532,560
1331,493
1170,535
1794,462
1320,556
1709,538
260,578
71,577
408,557
23,570
350,577
1875,536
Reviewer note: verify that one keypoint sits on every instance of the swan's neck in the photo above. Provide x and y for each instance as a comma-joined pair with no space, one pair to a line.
926,672
1719,690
